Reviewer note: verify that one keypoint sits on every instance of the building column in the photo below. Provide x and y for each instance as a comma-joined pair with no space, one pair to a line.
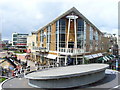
67,41
75,38
84,43
58,61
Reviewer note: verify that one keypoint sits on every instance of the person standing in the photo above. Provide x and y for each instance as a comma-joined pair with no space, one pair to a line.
35,63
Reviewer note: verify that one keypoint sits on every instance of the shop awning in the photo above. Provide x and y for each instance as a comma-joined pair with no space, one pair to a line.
51,56
101,59
100,54
95,55
107,58
110,57
89,56
104,58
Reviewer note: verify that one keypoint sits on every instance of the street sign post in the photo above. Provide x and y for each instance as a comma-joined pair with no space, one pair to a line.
116,64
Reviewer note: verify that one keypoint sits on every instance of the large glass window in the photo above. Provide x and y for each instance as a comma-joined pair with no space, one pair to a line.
14,43
91,37
14,35
91,33
41,36
96,38
33,44
48,37
57,34
14,39
80,32
61,30
96,35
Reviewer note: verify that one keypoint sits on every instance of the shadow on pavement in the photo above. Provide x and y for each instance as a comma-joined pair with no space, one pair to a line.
106,79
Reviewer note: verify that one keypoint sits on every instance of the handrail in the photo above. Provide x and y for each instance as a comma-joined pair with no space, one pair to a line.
71,50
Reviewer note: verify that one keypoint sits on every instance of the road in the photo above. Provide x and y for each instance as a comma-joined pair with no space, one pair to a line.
110,81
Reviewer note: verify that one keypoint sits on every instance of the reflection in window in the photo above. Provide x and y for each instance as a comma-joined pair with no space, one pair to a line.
61,30
48,37
80,32
91,37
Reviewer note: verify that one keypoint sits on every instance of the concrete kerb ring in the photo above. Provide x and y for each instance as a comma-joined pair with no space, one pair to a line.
1,85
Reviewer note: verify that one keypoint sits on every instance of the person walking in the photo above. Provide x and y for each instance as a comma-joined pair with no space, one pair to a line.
35,63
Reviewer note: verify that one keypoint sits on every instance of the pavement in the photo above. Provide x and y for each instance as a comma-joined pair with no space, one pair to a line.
3,54
32,65
110,81
29,63
6,64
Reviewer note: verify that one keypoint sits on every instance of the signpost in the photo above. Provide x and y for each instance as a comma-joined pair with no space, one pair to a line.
116,64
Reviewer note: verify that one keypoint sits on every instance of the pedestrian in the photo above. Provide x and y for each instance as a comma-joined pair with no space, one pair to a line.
16,74
18,71
26,63
22,70
38,68
13,73
28,68
35,63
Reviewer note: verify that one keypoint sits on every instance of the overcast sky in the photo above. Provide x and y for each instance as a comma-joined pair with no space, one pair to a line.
24,16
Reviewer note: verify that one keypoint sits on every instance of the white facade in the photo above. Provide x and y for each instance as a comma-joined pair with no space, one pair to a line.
0,36
19,39
31,42
119,40
0,43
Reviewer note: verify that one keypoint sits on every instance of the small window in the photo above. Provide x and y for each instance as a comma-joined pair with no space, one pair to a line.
33,44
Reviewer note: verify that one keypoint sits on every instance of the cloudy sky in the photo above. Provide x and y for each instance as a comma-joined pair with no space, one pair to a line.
24,16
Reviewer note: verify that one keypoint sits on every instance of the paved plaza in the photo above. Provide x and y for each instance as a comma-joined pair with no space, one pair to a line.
110,81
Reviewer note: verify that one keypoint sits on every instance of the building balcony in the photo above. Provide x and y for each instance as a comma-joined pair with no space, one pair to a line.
71,51
40,49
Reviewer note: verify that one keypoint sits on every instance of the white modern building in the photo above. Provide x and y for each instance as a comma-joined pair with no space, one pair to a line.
119,40
0,42
19,40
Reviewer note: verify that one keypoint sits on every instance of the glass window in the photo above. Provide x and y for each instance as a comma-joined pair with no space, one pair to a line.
91,33
80,32
14,43
62,37
61,33
14,35
33,44
48,37
62,45
62,25
14,39
41,36
91,38
57,34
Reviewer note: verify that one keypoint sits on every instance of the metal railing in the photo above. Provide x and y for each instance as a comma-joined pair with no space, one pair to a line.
40,49
71,50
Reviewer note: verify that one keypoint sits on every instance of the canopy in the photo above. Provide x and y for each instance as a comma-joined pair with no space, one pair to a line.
89,56
95,55
51,56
